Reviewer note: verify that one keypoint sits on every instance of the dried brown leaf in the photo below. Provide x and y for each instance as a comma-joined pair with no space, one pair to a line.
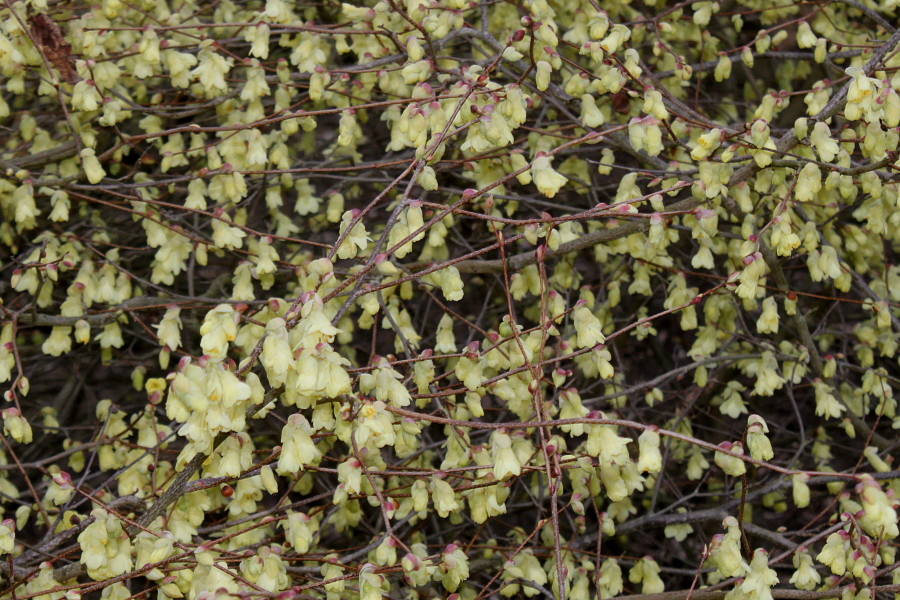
54,47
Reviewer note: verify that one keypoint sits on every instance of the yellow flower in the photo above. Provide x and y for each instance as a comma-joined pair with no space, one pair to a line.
105,547
91,166
731,464
469,371
299,530
224,235
646,572
505,462
211,69
588,328
451,284
85,96
547,180
800,491
297,447
614,40
419,492
760,579
454,567
860,94
591,115
805,38
650,460
826,404
276,356
58,342
370,584
723,68
445,341
805,577
610,582
386,385
16,426
605,444
542,76
218,329
834,553
809,183
826,146
82,331
444,497
725,550
759,445
258,37
7,536
169,328
707,144
879,518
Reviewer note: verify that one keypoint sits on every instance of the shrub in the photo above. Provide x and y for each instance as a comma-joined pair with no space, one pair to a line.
413,299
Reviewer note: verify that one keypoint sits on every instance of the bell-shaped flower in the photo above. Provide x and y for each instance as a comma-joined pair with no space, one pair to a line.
650,459
805,577
834,553
759,445
371,585
825,145
91,166
707,144
505,462
314,326
105,547
453,568
7,536
731,464
276,356
386,385
760,578
469,370
169,328
151,550
443,497
374,426
588,328
604,443
591,115
725,550
547,180
809,183
299,529
297,446
16,426
879,518
800,489
218,329
356,239
646,572
223,386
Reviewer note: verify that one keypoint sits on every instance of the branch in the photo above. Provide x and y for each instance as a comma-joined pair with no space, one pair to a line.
779,593
518,261
110,314
63,150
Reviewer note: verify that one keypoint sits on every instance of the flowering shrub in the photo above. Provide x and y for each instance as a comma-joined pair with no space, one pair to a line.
466,299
